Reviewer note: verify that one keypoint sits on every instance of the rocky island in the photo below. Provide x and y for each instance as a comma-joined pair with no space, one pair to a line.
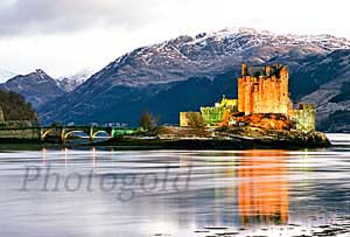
263,116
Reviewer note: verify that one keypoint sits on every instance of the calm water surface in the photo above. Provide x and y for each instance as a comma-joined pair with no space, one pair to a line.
172,193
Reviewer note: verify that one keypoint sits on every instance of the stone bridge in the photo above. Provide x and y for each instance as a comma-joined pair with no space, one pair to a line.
62,133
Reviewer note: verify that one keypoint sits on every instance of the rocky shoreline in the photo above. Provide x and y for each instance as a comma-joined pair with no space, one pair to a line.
219,138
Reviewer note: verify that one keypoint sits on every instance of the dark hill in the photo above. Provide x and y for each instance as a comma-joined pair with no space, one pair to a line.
15,107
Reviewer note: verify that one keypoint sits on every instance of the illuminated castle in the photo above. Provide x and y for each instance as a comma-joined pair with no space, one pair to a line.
263,101
264,90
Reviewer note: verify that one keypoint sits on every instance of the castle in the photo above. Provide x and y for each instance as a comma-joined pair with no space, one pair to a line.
263,101
264,90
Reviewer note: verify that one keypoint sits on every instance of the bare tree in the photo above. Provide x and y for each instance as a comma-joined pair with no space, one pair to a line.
147,121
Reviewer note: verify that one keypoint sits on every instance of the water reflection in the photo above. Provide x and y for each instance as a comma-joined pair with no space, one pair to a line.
44,155
253,189
94,157
258,187
263,188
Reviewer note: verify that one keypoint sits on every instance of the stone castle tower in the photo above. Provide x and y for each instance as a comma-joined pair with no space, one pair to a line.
264,90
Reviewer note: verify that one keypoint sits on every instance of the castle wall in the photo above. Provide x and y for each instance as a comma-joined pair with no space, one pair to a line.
305,118
212,115
241,94
184,119
264,94
285,101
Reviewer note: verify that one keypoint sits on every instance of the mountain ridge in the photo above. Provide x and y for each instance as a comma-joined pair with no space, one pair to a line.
37,87
205,50
131,82
6,75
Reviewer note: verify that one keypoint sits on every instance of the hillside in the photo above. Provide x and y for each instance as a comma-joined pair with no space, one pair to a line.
329,88
15,107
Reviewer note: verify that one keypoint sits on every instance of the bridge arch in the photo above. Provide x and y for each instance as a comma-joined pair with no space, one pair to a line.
45,133
101,132
66,135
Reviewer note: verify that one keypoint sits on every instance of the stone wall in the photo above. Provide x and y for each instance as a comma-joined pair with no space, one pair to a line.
20,134
305,117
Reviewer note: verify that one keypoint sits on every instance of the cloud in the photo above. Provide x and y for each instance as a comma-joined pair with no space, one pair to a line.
64,36
18,17
35,17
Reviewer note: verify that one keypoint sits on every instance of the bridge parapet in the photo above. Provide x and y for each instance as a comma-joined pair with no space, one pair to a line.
91,131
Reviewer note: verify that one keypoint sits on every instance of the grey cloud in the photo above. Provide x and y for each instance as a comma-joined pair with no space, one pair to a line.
19,17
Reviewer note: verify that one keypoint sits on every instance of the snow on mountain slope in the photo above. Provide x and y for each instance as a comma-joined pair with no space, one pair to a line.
70,83
207,54
5,75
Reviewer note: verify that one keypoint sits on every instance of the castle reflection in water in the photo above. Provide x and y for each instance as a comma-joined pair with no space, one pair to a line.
244,188
263,189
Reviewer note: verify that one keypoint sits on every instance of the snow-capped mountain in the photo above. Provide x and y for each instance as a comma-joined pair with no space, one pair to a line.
5,75
183,73
71,82
37,87
209,53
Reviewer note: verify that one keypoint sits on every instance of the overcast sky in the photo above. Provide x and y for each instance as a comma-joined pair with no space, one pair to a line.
66,36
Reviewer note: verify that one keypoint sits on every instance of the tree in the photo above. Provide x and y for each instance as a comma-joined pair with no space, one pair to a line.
147,121
195,120
15,108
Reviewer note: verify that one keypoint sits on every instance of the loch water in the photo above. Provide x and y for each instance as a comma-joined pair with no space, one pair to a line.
182,193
